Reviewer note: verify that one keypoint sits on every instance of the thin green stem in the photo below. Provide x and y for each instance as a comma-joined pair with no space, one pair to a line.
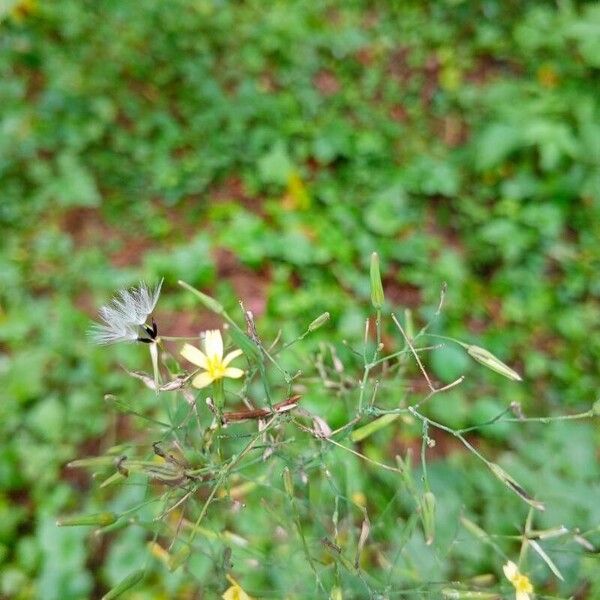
498,419
378,334
235,459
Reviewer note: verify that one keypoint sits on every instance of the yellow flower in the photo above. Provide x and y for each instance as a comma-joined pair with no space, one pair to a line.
21,9
521,582
211,360
235,591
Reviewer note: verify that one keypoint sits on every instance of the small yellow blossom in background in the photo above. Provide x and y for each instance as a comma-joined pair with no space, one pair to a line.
235,591
547,76
521,582
297,196
17,10
211,360
360,499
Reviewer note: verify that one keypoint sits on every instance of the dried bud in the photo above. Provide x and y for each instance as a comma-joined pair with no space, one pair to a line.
364,534
509,482
486,358
319,321
579,539
146,379
545,534
101,519
321,427
174,384
517,410
377,297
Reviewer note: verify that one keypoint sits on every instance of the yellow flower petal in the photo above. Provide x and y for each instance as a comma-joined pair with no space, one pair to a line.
510,570
233,372
231,356
235,592
520,582
213,344
202,380
195,356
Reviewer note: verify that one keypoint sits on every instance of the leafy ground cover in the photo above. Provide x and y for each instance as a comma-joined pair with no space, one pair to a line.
263,154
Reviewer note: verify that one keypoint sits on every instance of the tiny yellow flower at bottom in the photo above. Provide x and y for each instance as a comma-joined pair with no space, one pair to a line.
521,583
235,591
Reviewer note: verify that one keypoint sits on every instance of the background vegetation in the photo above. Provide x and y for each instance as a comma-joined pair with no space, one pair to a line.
263,152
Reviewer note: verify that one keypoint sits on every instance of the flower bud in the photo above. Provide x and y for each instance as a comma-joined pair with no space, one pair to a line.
486,358
319,321
112,479
116,526
125,584
92,462
377,297
427,506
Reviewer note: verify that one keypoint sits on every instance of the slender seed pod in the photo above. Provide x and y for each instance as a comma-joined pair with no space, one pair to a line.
319,321
377,297
124,585
486,358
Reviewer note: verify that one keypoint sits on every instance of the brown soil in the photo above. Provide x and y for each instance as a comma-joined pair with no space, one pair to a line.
326,83
399,67
401,294
250,286
232,190
88,229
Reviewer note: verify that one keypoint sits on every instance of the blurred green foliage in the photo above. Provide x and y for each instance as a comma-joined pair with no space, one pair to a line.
264,151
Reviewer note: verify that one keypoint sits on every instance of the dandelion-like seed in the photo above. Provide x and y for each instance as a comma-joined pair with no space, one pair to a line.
125,316
521,583
211,360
